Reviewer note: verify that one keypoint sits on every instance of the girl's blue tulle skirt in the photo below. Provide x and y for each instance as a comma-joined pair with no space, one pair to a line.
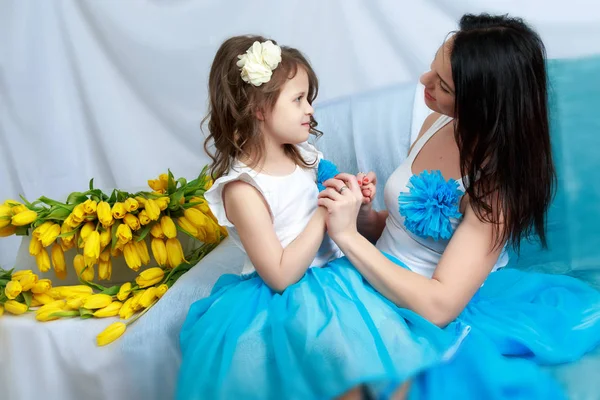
331,332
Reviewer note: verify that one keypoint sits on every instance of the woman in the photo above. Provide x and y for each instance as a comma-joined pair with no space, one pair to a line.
480,176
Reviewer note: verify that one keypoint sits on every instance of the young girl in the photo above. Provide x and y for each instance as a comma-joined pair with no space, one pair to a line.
286,329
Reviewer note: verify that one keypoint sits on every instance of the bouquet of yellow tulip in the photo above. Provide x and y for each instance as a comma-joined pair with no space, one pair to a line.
100,228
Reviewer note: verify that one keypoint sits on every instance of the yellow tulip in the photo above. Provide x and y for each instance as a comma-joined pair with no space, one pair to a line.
90,206
58,258
187,226
159,251
14,307
150,277
124,291
163,203
42,286
43,261
168,227
76,302
142,250
8,231
86,230
111,333
5,216
78,213
87,274
45,299
71,222
19,208
131,204
91,251
152,210
157,232
161,290
132,221
174,252
35,303
118,210
1,310
96,301
109,311
147,297
196,217
104,270
141,201
27,280
208,184
21,273
35,246
37,232
135,300
124,234
104,213
49,235
68,291
24,218
62,275
132,257
105,238
48,314
127,310
66,228
117,251
156,185
105,255
143,217
13,289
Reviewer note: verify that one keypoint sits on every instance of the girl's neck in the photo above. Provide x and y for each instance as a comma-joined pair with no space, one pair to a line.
274,160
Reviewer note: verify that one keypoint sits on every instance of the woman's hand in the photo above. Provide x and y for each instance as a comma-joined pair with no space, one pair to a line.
342,198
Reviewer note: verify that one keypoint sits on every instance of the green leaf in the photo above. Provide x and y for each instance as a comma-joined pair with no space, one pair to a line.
113,234
67,234
50,202
21,231
27,296
176,197
28,204
144,232
76,198
111,291
91,184
58,212
171,187
113,197
182,182
85,313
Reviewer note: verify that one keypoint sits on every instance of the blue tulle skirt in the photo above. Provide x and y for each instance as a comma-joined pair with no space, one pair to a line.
332,331
321,337
519,321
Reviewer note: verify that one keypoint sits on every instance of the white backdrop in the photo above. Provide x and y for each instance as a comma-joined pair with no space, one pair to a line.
115,89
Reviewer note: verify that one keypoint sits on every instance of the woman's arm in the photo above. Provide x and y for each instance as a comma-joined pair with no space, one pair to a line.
465,264
247,209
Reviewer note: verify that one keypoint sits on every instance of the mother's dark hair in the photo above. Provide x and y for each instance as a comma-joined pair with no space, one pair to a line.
502,128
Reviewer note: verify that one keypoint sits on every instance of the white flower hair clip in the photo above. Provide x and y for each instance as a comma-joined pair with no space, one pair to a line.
259,61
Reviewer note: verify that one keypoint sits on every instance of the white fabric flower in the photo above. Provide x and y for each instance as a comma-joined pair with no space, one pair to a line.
259,61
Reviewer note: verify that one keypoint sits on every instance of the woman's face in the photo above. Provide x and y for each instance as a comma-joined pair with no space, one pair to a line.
439,87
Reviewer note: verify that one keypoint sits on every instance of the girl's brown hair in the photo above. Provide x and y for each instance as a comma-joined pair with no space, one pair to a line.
233,104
